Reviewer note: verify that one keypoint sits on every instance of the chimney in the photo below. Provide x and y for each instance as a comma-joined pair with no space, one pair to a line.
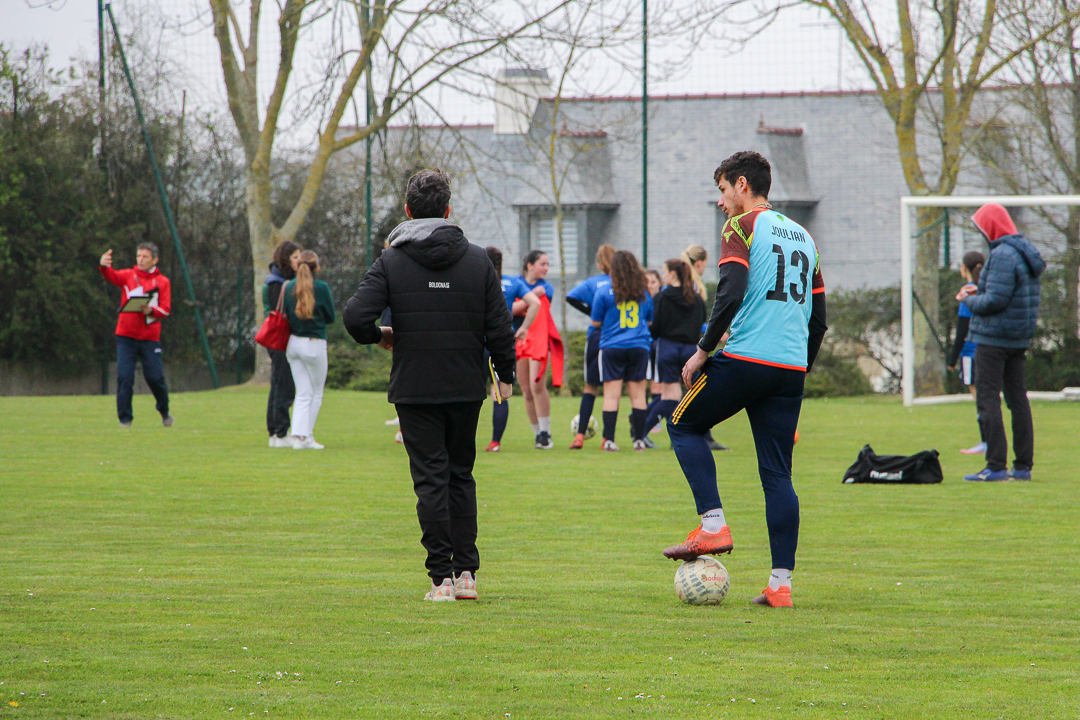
517,93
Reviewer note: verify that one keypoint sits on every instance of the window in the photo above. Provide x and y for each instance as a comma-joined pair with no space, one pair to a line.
544,238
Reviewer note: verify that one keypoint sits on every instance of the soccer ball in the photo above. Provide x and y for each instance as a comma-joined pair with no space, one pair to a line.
589,431
702,581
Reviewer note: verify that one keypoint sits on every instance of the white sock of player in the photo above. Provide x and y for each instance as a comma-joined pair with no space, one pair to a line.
712,521
545,424
536,429
778,578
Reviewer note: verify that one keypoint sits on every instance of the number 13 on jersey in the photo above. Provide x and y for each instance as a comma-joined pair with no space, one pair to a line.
628,314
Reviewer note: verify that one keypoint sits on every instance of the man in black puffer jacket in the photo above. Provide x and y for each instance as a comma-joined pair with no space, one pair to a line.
448,307
1005,310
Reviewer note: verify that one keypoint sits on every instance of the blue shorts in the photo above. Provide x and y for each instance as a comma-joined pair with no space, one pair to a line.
592,358
668,360
967,369
627,364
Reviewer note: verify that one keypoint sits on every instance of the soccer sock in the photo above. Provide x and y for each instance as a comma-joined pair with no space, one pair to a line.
779,578
500,413
610,418
545,424
659,409
536,429
652,414
637,423
713,521
585,413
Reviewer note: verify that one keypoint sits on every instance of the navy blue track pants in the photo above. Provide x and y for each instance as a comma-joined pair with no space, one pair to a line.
772,398
129,351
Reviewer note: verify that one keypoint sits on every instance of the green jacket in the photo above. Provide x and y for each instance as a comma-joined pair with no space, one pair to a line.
323,315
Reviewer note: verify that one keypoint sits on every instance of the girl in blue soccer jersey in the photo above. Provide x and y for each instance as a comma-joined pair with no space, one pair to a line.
679,313
964,351
534,272
581,298
623,312
516,292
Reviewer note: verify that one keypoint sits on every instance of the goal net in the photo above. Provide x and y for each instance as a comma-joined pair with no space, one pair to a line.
908,300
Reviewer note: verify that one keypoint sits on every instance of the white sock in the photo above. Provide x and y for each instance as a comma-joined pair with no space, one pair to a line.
712,521
778,578
536,429
545,424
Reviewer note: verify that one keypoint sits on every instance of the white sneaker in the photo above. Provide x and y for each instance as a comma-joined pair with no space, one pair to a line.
398,438
610,446
395,421
442,593
315,444
465,586
282,442
639,445
305,444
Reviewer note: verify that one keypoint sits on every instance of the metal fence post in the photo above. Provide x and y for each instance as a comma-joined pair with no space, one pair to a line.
165,202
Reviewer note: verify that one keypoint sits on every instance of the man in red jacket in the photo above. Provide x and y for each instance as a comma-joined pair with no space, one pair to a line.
138,334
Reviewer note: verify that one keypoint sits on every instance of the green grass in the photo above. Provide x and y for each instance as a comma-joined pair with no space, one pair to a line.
193,572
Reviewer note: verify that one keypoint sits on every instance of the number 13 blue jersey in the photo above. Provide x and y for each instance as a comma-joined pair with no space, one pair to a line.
771,326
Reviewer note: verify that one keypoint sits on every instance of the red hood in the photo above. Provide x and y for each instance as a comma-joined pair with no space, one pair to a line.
994,221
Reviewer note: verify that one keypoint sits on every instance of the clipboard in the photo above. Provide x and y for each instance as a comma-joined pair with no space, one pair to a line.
495,382
136,303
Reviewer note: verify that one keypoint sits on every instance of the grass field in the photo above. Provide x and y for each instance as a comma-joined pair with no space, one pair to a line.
192,572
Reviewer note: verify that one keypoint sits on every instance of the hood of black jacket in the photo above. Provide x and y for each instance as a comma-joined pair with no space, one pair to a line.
1029,252
275,275
433,242
674,295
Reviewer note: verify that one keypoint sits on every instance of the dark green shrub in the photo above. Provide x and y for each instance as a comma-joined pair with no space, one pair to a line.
835,376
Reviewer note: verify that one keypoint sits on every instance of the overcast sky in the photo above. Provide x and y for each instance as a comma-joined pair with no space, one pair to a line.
800,52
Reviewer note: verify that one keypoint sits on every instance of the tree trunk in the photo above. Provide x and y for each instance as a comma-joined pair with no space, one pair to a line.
263,238
564,391
929,362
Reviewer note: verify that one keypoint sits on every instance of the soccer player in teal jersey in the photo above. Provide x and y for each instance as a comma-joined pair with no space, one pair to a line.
771,294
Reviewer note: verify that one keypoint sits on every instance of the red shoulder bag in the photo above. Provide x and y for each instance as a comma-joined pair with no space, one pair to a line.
274,333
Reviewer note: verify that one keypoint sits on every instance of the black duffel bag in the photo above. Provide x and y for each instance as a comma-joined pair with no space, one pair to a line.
919,469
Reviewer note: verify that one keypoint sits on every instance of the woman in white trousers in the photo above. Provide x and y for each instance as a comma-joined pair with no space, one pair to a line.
310,308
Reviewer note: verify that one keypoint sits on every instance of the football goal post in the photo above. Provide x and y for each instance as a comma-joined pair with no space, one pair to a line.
907,377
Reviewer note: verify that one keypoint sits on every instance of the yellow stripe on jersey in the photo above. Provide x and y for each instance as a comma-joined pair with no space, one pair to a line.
735,225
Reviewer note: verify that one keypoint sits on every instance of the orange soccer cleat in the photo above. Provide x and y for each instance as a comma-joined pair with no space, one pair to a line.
494,446
775,598
796,436
579,442
699,542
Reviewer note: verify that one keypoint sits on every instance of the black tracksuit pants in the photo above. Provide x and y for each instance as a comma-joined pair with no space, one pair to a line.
441,442
282,393
1000,371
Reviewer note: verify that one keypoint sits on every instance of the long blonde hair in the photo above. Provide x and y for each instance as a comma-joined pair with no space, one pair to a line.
691,255
305,284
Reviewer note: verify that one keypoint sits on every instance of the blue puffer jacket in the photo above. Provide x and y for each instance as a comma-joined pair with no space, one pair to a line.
1006,305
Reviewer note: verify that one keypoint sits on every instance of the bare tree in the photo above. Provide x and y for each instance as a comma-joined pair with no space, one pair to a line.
928,60
400,48
1034,149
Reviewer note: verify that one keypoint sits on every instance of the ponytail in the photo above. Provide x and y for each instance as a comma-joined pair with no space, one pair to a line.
691,255
305,285
683,273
